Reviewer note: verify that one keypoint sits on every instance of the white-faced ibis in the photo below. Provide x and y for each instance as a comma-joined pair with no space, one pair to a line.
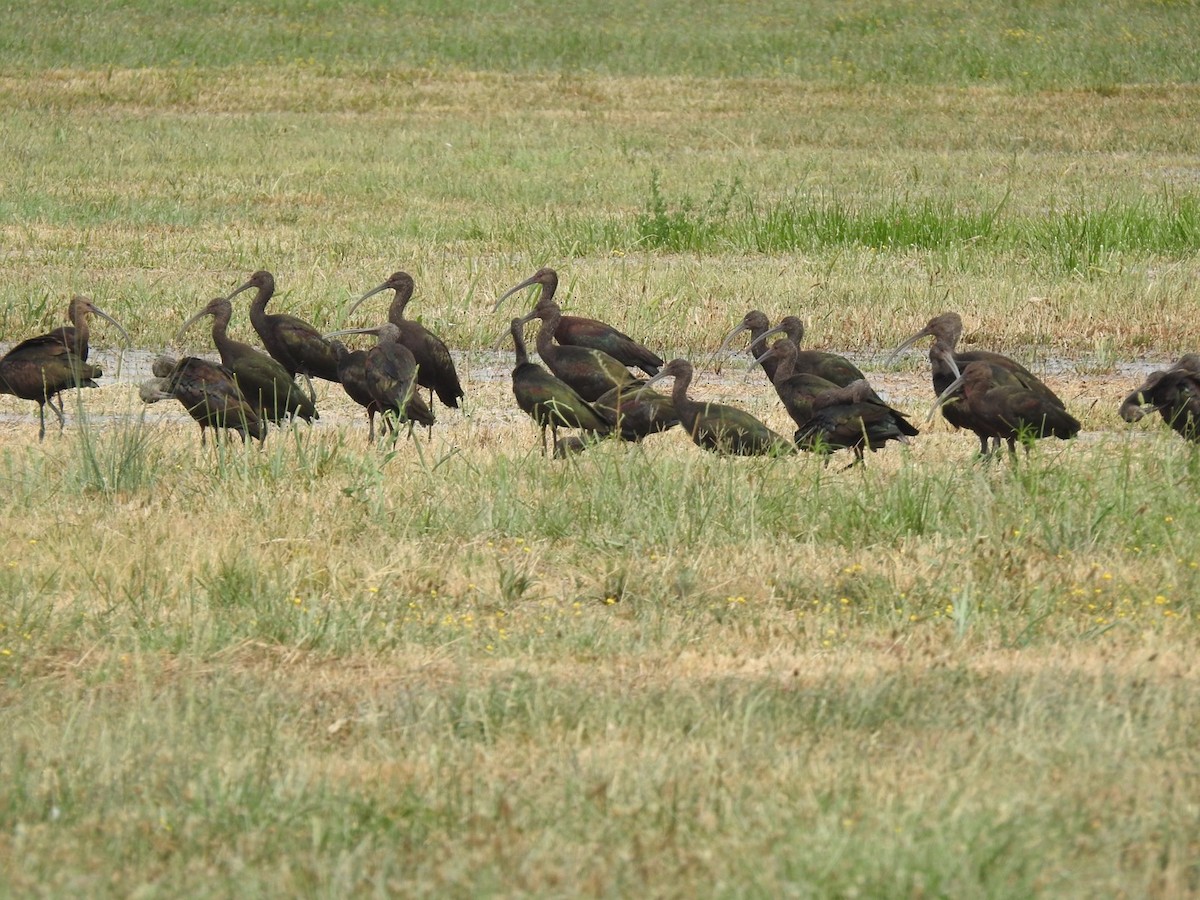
352,371
549,401
635,411
75,336
592,373
830,416
40,368
716,426
996,403
297,345
830,366
391,378
1175,393
583,332
947,364
208,392
263,380
435,366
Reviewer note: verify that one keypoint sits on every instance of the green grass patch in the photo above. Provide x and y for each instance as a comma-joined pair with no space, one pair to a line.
1071,44
1072,241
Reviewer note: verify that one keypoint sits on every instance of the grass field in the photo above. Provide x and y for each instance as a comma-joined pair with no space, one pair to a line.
453,668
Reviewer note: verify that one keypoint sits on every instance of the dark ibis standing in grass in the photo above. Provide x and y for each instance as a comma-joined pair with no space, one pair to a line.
297,345
592,373
995,402
1175,393
853,417
549,401
435,366
716,426
264,382
40,368
636,411
830,416
352,371
947,364
579,331
391,379
209,392
830,366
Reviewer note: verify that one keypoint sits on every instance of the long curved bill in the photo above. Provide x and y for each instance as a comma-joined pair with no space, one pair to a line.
531,280
758,360
924,332
508,332
742,326
945,396
190,322
661,376
111,321
379,289
342,331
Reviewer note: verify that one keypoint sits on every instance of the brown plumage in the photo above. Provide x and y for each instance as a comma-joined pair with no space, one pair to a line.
208,392
717,426
390,378
996,403
584,332
435,365
830,366
853,417
42,367
352,372
299,347
75,336
636,411
549,401
264,382
1174,393
592,373
830,416
947,364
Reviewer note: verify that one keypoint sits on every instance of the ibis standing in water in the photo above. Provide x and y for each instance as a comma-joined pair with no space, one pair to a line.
435,365
583,332
716,426
297,345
